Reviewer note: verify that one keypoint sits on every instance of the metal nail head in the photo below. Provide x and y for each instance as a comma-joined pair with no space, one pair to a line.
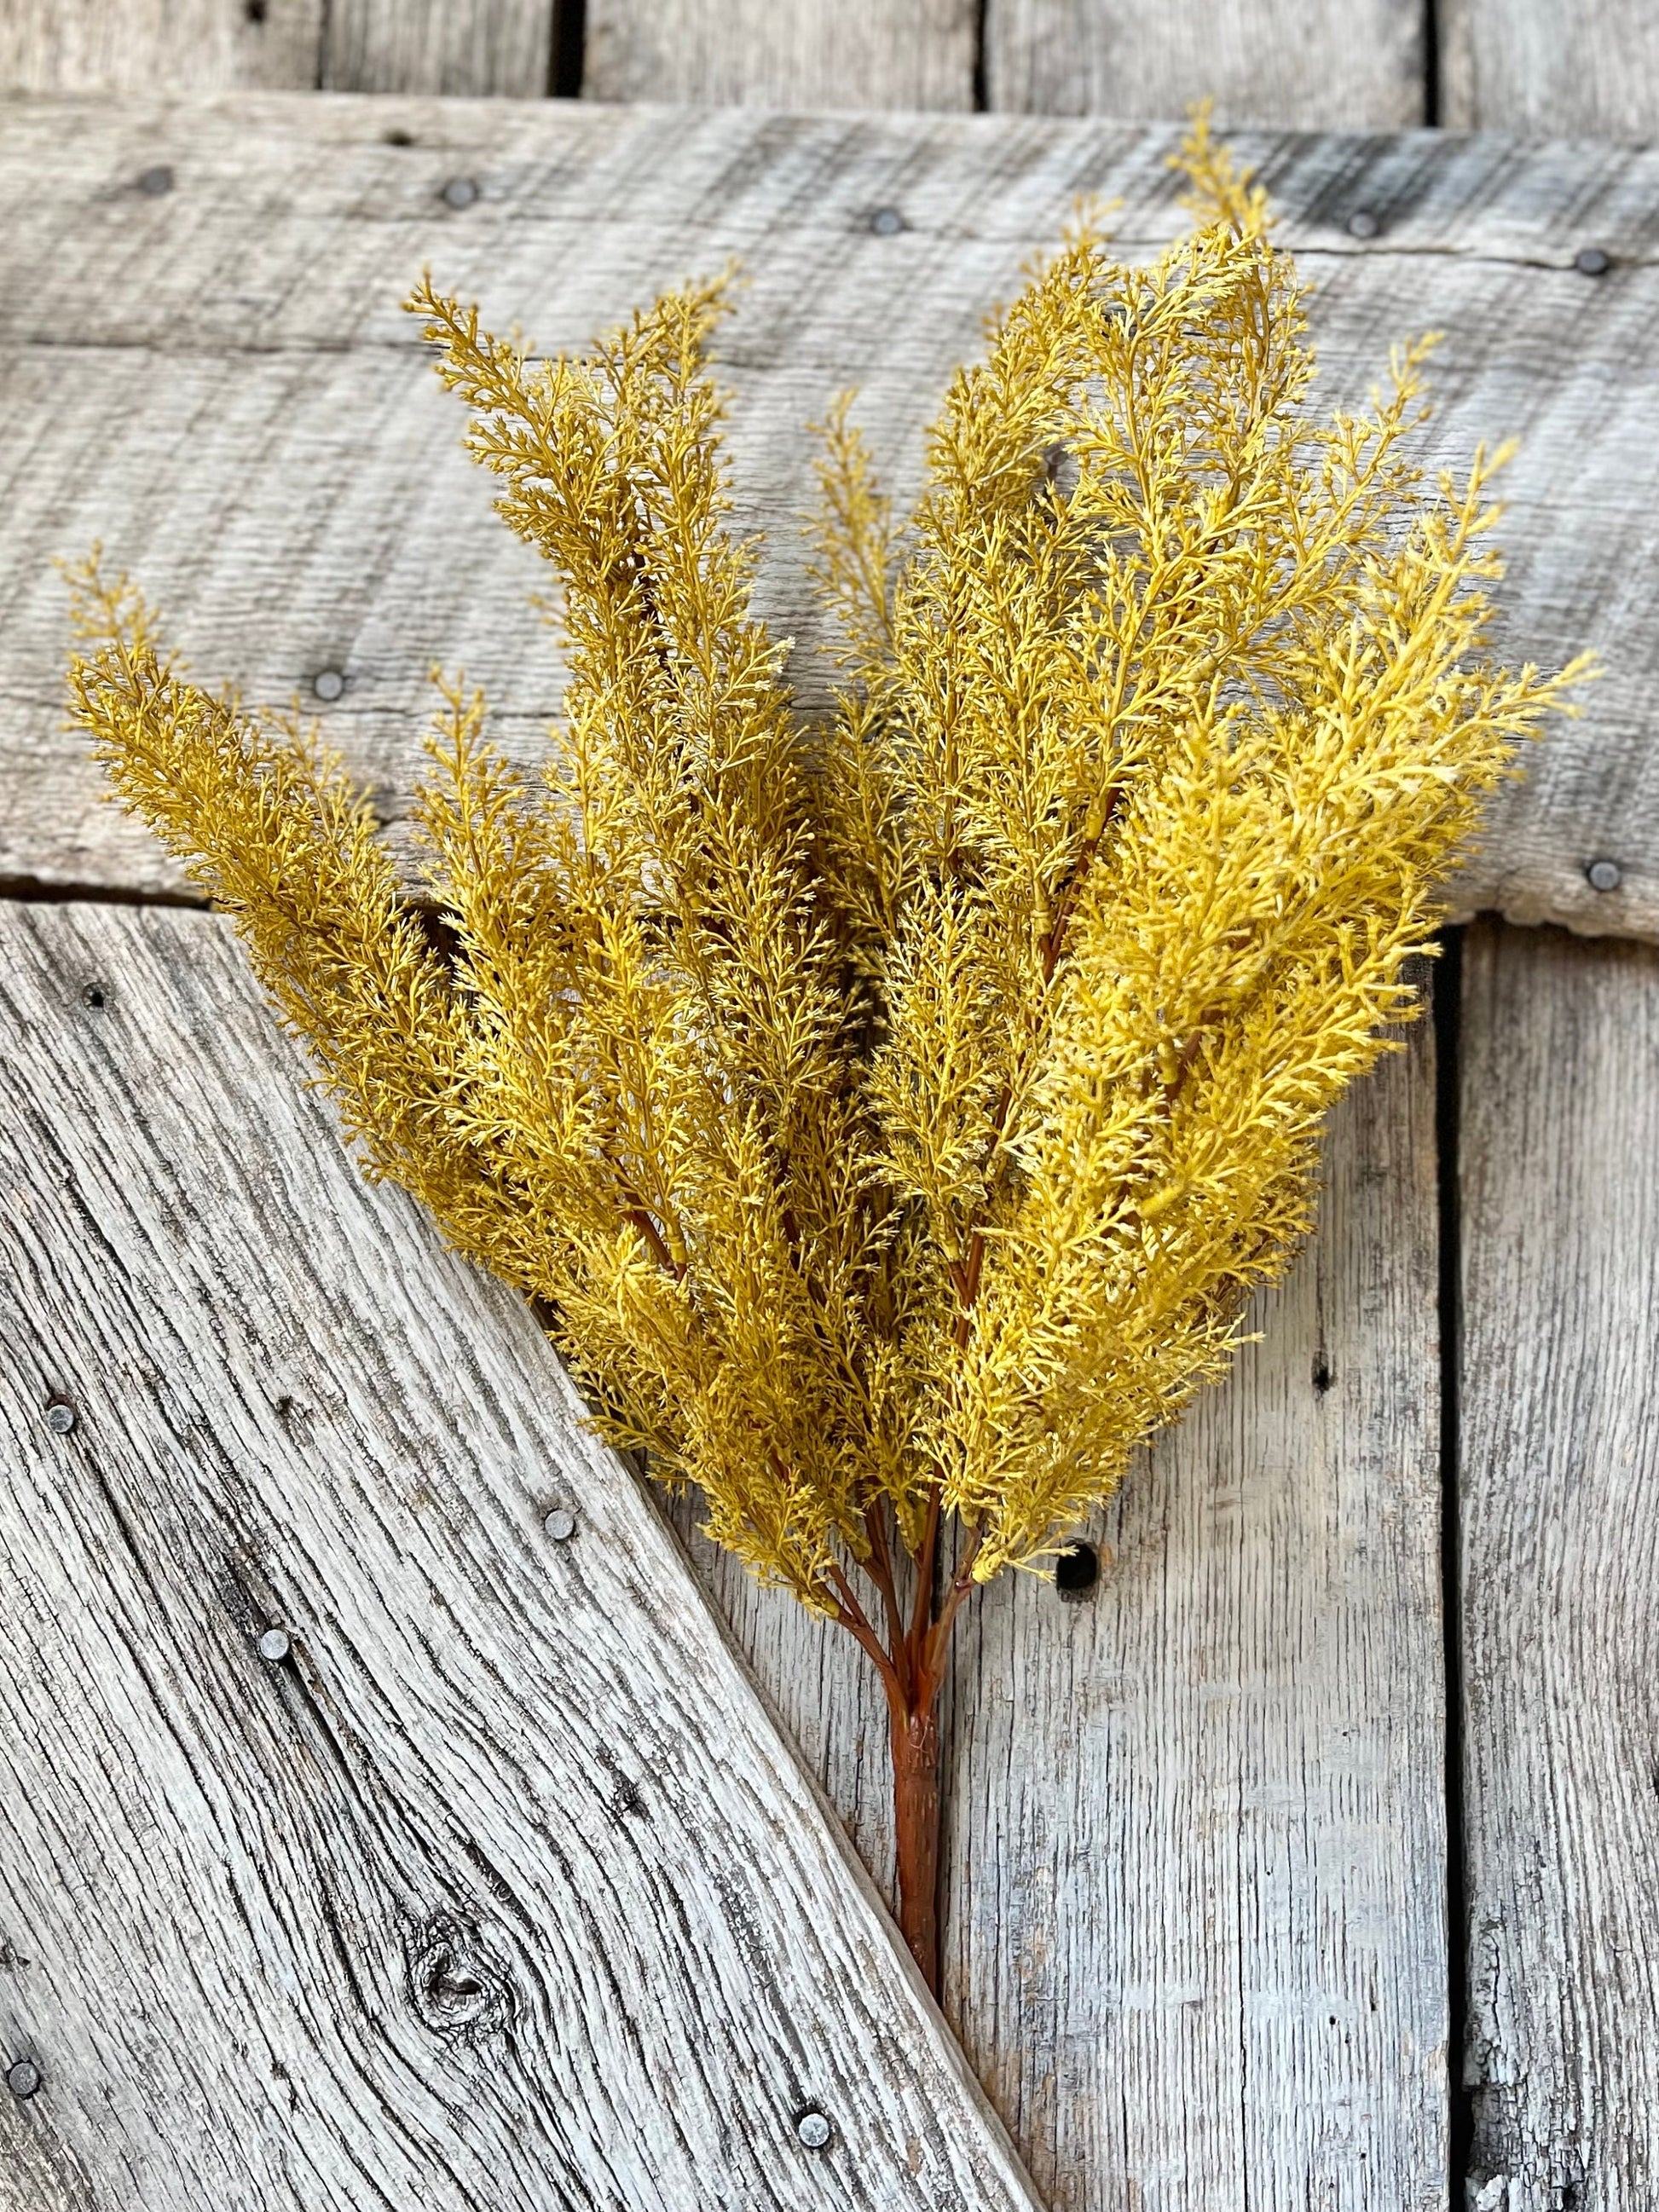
813,2129
1605,875
274,1645
1591,261
887,222
329,685
1362,223
23,2077
153,182
561,1524
60,1416
459,192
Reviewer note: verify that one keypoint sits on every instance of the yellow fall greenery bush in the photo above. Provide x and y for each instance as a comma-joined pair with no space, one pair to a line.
893,1117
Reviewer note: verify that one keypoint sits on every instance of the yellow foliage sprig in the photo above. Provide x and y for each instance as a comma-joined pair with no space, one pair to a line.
894,1118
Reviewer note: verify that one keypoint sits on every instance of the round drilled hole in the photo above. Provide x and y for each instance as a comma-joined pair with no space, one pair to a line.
1077,1570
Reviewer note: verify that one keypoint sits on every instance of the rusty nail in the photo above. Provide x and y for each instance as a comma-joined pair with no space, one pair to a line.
1591,261
23,2077
813,2129
1362,223
887,222
560,1525
1605,875
459,192
60,1416
274,1645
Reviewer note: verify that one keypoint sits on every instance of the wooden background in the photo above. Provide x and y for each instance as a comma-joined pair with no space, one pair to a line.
1312,1859
1567,67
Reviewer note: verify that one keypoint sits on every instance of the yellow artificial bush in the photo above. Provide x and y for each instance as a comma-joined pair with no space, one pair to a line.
893,1117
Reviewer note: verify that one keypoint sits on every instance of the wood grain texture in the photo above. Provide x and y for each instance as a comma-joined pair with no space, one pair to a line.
783,53
219,383
466,46
1194,1870
499,1892
1217,1784
823,1689
1311,64
1560,1559
158,47
1573,68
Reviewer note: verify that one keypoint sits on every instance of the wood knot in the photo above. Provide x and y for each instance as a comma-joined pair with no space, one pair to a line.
454,1984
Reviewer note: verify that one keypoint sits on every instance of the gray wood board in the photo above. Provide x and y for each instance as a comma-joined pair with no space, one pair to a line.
1559,1524
158,47
1194,1869
501,1891
463,46
218,381
161,48
1311,64
783,53
1590,68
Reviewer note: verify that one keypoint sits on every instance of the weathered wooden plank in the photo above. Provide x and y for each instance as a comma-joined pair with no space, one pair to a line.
1311,65
1195,1875
1569,67
499,1890
822,1687
158,47
482,47
1560,1558
161,48
783,53
219,382
1206,1965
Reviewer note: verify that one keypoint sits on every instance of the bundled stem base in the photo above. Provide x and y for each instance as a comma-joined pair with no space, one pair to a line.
915,1736
912,1663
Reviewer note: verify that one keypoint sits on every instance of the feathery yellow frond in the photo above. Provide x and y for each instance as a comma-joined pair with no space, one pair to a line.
893,1118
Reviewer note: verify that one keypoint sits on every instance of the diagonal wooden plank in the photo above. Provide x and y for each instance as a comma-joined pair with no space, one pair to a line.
1312,65
1194,1873
498,1889
783,53
1559,1487
219,382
